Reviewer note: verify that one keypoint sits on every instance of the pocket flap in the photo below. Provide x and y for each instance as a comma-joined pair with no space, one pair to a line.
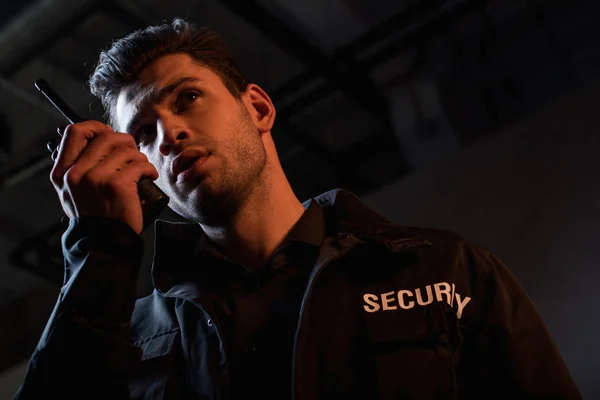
158,345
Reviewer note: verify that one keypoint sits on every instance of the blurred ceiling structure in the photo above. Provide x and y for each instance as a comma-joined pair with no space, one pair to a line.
333,69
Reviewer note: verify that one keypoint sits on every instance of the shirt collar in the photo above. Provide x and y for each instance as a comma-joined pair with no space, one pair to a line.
309,229
175,243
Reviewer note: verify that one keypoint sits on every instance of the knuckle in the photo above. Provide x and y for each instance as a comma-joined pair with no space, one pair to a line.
97,126
85,128
55,177
126,152
127,140
119,142
72,177
139,156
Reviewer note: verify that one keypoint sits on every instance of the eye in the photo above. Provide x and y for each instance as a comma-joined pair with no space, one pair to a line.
186,98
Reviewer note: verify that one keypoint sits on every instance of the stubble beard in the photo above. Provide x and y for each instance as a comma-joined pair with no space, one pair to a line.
241,177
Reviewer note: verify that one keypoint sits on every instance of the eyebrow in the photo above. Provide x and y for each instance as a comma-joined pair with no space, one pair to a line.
146,96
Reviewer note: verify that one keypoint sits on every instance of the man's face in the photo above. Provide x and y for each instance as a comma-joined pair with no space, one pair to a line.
201,139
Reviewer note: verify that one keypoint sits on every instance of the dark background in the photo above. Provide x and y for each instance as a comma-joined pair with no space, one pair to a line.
474,116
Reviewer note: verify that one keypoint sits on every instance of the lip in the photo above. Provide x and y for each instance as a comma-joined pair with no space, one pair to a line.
190,173
186,159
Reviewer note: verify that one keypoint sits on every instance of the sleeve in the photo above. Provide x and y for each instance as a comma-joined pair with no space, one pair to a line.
510,352
85,351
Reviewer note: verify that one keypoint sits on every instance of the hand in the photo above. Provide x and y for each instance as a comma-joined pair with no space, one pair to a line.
96,173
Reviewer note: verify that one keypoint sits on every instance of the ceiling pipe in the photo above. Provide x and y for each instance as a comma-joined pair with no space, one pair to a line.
33,25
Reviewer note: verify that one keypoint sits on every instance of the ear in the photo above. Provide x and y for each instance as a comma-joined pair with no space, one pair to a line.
260,106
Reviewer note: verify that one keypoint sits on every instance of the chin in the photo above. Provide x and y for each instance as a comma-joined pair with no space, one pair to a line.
194,204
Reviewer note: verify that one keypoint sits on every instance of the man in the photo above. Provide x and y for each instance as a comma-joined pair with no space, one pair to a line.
261,296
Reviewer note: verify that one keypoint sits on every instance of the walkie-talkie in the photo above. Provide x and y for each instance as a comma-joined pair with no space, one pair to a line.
152,198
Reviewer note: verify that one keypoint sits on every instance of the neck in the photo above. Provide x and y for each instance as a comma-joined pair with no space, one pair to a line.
260,225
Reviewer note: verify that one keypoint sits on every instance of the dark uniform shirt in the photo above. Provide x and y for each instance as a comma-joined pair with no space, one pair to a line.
257,311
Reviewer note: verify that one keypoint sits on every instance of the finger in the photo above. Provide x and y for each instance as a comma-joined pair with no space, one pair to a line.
75,139
136,170
118,160
102,147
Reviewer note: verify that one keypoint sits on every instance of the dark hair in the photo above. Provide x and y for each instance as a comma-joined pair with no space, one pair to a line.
125,59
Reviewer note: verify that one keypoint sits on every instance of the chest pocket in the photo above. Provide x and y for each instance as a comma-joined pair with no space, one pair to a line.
413,353
156,375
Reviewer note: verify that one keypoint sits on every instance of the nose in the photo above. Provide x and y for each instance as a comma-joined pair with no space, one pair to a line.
171,132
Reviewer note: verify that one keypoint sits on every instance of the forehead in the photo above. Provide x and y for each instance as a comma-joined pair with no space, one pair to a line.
158,74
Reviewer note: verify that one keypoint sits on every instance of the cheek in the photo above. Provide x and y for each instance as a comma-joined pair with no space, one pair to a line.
160,167
162,180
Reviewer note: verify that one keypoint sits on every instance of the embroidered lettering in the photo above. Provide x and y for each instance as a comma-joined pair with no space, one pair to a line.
407,293
386,300
442,288
420,296
407,299
460,304
371,301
